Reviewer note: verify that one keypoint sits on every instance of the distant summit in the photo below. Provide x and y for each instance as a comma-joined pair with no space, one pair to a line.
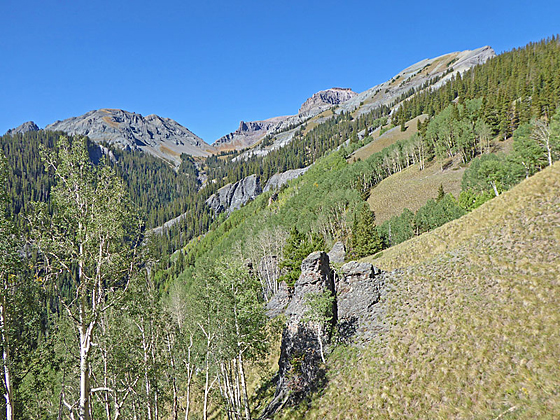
324,99
162,137
24,128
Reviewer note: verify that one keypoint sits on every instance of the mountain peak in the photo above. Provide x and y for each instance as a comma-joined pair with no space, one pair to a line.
162,137
325,99
23,128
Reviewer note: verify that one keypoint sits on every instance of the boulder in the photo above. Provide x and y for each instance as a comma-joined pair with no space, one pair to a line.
337,255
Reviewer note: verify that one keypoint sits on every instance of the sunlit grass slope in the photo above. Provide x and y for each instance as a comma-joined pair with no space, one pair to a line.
412,188
472,316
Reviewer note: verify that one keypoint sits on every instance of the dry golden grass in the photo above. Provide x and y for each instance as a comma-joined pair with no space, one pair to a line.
387,139
412,188
472,316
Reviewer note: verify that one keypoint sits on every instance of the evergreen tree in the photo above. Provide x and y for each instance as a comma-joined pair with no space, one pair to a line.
365,238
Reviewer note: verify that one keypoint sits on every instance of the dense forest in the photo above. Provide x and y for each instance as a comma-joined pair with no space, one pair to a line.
100,318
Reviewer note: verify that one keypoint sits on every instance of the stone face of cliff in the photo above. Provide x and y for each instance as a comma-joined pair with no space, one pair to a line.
232,196
162,137
325,99
355,314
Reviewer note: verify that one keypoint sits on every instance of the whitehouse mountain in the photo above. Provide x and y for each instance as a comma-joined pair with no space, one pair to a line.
161,137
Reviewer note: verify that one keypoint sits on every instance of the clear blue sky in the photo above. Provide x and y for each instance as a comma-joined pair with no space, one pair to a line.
210,64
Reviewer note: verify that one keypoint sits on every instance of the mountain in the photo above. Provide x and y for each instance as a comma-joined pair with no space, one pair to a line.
161,137
24,128
250,133
325,99
322,106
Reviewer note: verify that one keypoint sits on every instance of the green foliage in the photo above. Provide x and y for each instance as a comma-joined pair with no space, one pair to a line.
297,248
398,229
436,213
365,238
492,173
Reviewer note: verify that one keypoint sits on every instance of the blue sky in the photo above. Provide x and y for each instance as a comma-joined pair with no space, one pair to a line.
210,64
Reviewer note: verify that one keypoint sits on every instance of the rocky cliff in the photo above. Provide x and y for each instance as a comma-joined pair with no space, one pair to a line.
248,134
162,137
325,99
355,314
24,128
232,196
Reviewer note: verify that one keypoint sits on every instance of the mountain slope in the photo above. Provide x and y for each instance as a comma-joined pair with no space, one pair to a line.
162,137
252,132
428,73
472,317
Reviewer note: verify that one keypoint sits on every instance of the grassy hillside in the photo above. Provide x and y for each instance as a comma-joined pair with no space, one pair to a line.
472,320
386,139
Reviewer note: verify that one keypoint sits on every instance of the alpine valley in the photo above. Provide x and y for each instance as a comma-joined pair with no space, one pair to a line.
392,253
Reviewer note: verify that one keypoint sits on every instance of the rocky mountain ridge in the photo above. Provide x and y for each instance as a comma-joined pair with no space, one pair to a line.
162,137
26,127
249,133
433,72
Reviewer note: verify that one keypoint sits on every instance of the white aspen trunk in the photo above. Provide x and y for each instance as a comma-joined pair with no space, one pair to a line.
206,382
495,189
85,345
244,386
190,371
8,395
320,341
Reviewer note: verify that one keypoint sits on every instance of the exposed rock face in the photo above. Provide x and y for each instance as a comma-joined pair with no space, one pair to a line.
337,253
277,180
162,137
324,99
358,289
232,196
300,362
248,134
280,300
24,128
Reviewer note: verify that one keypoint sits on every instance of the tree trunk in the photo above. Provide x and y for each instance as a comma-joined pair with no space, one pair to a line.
244,387
8,395
320,342
85,340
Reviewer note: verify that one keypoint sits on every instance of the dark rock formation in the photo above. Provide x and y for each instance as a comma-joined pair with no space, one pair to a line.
279,301
355,313
162,137
300,369
277,180
232,196
24,128
337,253
325,99
358,289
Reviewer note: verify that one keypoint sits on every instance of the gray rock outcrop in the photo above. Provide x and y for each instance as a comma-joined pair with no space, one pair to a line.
337,254
358,289
162,137
279,301
356,313
23,128
300,369
277,180
248,133
232,196
325,99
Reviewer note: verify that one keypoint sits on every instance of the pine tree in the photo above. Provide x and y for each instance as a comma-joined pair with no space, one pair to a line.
365,238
